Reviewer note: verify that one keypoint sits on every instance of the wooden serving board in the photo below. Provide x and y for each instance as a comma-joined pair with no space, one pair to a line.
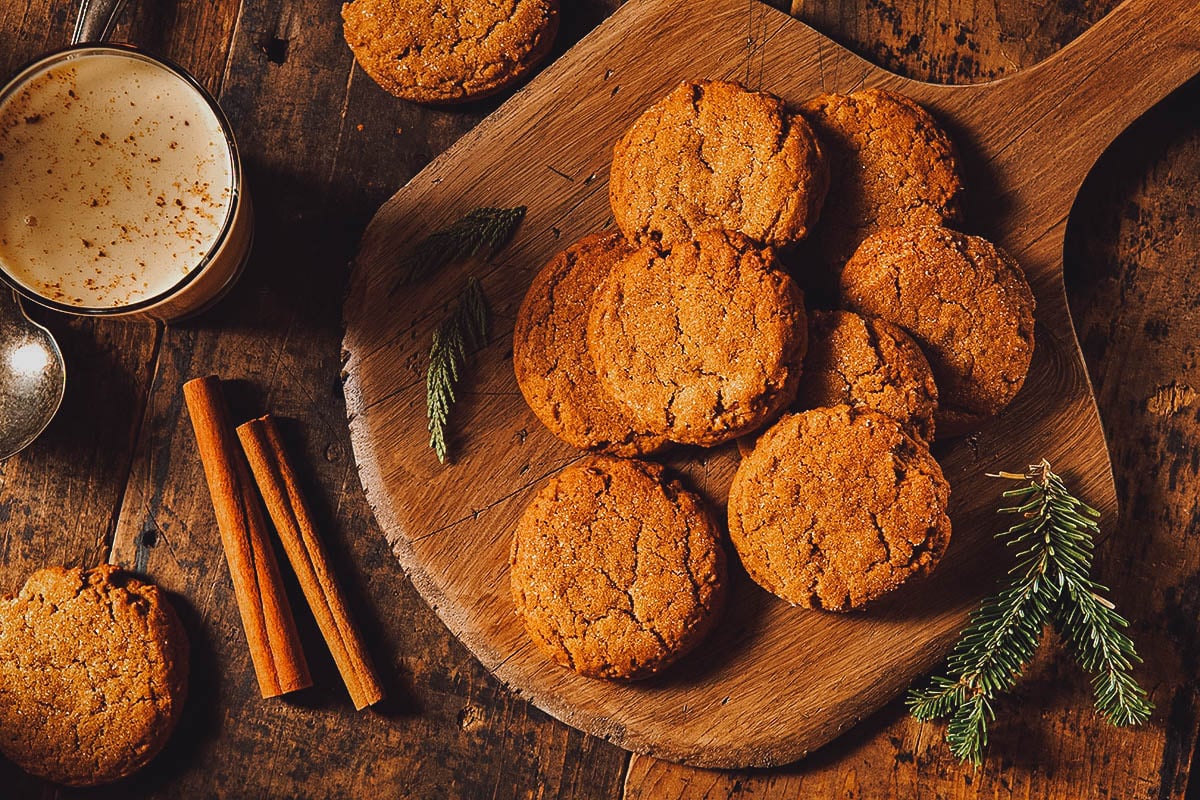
773,682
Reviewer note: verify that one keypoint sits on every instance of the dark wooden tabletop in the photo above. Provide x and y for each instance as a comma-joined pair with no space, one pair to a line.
116,477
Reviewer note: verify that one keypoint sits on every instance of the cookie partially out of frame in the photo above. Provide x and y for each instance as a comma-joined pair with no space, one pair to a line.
616,571
551,359
93,674
428,52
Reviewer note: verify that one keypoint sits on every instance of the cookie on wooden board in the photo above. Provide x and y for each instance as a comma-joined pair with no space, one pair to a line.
93,674
715,155
553,365
965,301
616,570
428,52
867,363
835,507
890,164
701,342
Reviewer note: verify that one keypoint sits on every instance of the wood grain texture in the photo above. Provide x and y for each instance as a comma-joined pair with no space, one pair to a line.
946,42
83,457
457,733
1028,142
322,146
1130,258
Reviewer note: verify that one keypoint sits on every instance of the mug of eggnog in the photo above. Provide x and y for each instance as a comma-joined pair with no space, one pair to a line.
121,190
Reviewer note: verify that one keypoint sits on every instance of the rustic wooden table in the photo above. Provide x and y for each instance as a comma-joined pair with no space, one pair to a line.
116,476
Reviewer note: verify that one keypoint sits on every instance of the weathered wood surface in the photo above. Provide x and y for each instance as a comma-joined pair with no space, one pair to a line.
117,471
1028,142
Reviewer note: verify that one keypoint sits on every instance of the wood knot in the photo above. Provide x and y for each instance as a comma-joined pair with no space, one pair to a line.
1169,399
471,718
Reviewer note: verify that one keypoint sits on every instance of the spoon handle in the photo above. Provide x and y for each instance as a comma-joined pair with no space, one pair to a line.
96,20
11,312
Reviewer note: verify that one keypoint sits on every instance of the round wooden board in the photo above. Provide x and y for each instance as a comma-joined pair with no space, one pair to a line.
772,682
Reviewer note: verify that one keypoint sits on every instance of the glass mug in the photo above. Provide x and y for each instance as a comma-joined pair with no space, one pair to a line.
121,188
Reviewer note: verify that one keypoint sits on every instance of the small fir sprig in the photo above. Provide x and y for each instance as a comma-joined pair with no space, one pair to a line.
482,229
465,330
460,334
1050,582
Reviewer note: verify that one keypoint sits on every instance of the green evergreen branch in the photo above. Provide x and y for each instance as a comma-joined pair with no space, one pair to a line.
483,228
967,731
1050,582
464,331
1092,630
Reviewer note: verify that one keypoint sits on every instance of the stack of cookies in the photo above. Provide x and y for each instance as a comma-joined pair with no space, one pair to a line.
685,328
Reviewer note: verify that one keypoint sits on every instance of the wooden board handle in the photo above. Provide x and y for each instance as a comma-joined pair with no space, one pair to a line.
1075,103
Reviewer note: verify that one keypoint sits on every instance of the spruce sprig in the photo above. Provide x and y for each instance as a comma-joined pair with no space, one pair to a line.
464,331
482,228
1050,583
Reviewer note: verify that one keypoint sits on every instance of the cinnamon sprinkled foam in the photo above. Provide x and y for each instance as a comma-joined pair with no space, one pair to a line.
115,180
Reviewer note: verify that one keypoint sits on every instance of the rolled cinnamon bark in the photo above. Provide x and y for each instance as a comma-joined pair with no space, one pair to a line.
266,615
294,523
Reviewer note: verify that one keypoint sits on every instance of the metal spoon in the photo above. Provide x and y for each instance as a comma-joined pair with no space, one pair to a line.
96,20
33,377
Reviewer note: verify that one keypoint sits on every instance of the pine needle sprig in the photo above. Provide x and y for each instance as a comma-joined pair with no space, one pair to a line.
1001,636
1092,631
480,229
1049,583
464,331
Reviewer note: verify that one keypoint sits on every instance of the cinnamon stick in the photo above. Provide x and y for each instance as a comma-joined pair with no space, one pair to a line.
266,616
293,521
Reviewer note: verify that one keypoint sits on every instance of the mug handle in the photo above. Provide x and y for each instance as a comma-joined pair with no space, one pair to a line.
96,20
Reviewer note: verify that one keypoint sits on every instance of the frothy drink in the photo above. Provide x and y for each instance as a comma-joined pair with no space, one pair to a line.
118,185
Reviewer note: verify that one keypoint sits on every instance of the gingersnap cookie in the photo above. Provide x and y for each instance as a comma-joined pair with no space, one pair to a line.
965,301
427,52
835,507
701,342
93,674
715,155
550,357
616,570
867,363
890,164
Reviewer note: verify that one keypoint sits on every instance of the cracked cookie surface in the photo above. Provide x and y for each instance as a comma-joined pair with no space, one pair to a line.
867,363
554,367
616,571
715,155
890,164
834,508
965,301
93,674
430,52
701,342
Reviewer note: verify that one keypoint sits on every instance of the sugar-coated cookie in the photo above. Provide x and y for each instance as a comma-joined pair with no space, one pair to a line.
616,571
93,674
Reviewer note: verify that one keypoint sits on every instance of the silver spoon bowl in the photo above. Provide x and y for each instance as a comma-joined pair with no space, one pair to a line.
33,377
